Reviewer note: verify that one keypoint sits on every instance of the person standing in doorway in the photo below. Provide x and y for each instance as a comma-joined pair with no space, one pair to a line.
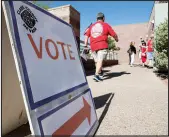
98,34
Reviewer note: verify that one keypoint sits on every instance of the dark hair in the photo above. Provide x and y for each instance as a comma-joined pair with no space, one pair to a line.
100,18
143,43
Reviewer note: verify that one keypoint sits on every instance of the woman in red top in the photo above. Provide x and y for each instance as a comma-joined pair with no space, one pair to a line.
143,53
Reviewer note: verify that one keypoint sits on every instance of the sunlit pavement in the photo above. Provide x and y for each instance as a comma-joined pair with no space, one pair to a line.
131,101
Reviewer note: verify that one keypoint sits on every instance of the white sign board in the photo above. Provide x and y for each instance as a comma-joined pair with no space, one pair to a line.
49,66
78,121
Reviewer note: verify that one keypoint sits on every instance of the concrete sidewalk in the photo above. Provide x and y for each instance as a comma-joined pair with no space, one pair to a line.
130,101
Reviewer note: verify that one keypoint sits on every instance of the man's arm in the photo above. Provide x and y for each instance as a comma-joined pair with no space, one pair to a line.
86,40
116,37
113,33
87,35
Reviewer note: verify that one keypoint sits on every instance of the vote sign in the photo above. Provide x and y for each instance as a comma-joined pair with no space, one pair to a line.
48,52
49,69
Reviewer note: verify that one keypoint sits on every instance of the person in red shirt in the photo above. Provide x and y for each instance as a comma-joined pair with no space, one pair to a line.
98,34
150,51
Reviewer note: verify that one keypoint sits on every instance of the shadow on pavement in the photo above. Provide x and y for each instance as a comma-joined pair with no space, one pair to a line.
92,72
101,100
104,98
116,74
22,131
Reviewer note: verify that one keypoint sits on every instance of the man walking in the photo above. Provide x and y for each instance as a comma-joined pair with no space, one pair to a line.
98,34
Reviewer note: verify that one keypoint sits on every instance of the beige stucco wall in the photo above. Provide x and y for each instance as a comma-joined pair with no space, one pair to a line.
149,24
13,109
127,33
161,13
68,14
62,12
71,16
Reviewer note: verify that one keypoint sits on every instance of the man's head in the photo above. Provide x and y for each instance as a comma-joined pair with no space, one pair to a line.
100,16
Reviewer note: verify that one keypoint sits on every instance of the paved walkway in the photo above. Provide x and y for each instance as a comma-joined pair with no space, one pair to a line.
131,101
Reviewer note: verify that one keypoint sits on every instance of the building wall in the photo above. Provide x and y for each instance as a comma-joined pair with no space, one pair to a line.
62,12
161,12
71,16
158,14
150,25
126,34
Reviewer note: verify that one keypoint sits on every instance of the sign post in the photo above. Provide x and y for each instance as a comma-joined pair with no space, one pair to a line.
56,94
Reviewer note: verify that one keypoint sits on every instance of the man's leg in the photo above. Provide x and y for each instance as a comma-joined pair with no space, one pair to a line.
97,76
98,67
147,62
101,56
101,71
95,57
151,60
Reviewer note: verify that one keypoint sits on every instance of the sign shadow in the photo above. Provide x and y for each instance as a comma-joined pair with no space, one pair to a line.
100,102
